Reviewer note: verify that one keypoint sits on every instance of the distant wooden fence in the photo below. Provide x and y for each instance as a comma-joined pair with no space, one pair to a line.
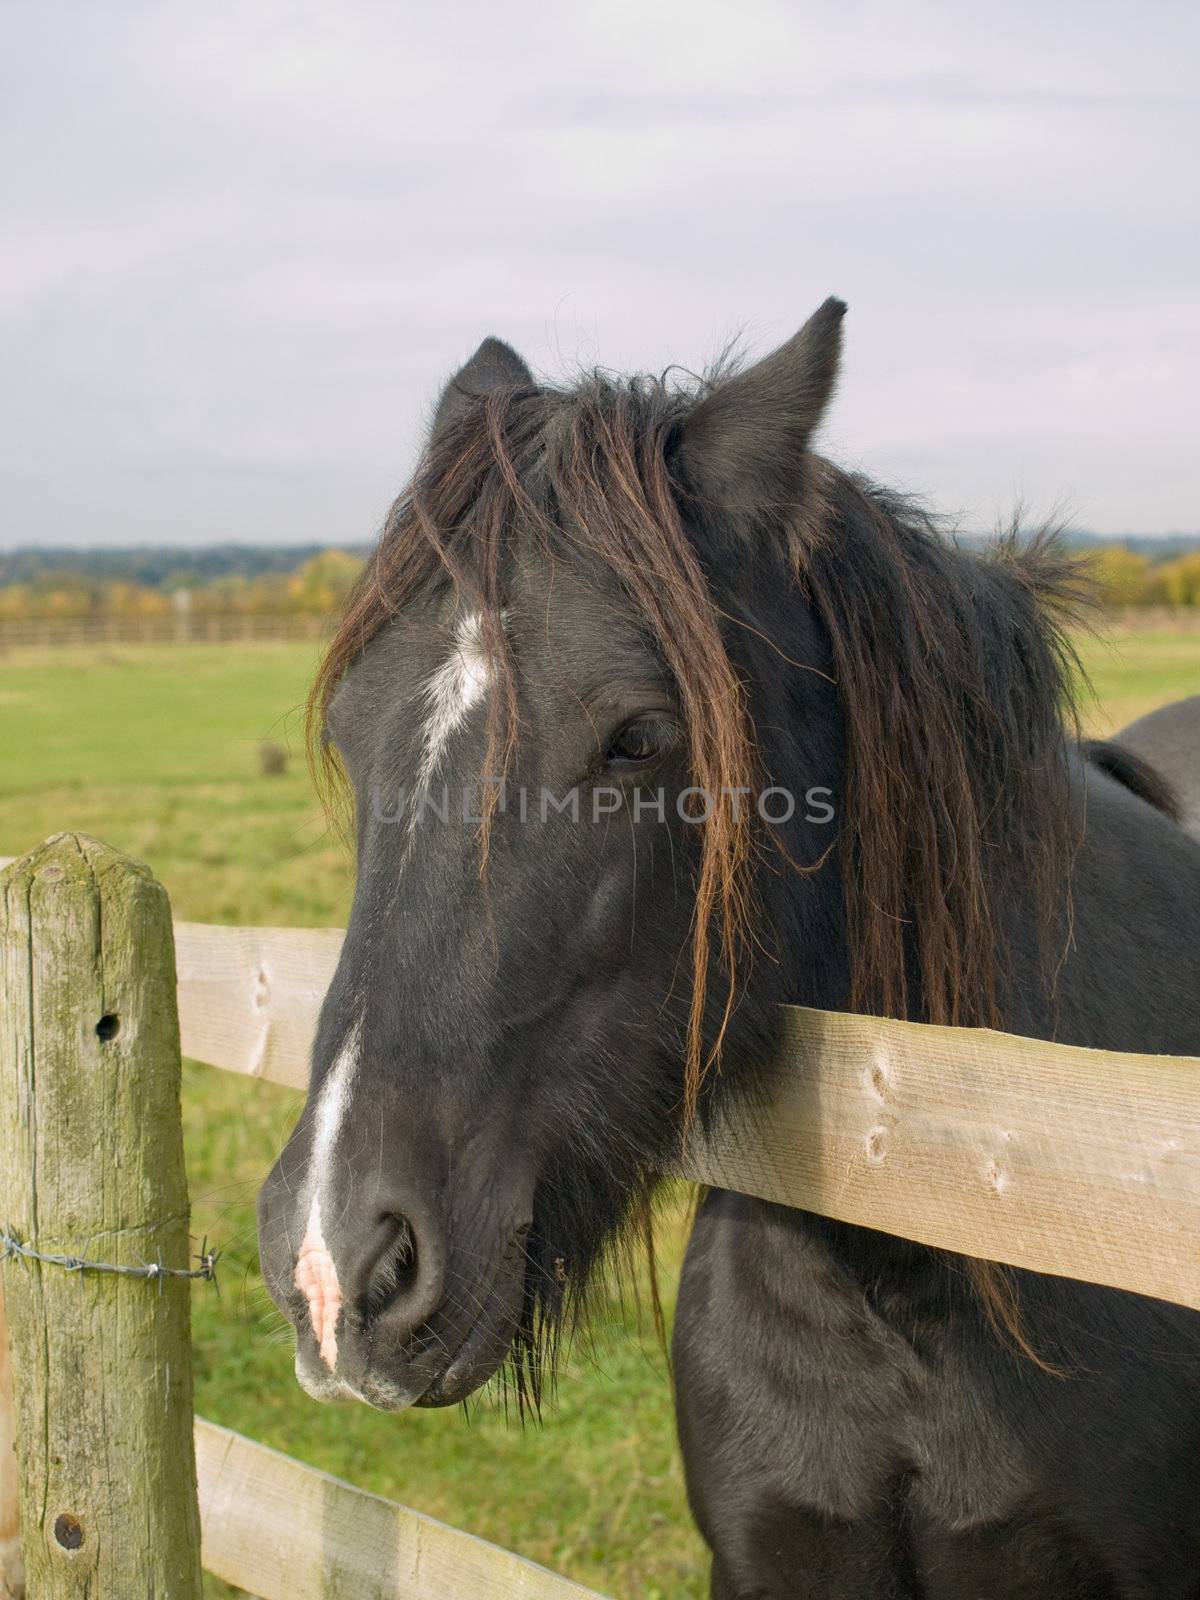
26,633
1083,1163
56,633
1153,619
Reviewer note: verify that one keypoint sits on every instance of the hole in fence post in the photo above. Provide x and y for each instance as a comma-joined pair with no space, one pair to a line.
106,1028
68,1532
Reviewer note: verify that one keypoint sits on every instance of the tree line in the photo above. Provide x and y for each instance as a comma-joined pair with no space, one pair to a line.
1128,577
261,581
318,586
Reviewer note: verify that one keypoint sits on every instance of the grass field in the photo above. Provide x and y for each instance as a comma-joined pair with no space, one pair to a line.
156,751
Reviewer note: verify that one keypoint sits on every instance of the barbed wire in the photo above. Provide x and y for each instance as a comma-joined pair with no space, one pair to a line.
154,1271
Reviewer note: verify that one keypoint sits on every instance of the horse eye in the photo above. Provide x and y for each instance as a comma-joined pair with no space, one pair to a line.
638,742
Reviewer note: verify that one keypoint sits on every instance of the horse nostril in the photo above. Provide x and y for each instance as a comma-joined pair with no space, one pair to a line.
395,1272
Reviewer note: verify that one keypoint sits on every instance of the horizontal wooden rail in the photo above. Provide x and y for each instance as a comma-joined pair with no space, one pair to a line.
1083,1163
1080,1163
249,997
284,1531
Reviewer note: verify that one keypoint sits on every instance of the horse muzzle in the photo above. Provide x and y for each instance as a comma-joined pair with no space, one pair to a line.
396,1297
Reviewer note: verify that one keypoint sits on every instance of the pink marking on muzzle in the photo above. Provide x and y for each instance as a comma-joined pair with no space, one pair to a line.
317,1281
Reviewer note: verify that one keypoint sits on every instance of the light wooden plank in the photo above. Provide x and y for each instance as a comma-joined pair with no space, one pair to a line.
249,997
284,1531
1080,1163
1084,1163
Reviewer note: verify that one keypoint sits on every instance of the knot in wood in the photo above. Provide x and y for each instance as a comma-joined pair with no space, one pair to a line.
68,1531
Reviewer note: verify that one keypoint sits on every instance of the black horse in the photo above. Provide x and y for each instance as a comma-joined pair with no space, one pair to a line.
1168,742
653,720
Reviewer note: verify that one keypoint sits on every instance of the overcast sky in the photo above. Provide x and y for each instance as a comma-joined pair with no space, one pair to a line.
245,242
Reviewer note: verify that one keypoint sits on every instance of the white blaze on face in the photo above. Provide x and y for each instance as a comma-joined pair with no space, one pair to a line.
317,1281
316,1276
457,685
331,1109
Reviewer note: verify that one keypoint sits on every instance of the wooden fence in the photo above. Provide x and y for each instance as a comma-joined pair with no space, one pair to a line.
1079,1162
219,627
227,627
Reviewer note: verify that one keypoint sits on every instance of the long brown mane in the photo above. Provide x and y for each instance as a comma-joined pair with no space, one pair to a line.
586,472
952,681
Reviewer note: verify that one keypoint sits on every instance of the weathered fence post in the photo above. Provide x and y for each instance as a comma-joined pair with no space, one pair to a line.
12,1570
91,1167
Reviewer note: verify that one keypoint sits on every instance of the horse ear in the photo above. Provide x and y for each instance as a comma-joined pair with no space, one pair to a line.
495,365
743,444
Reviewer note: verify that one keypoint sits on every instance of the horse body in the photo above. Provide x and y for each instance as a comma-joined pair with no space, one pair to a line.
592,605
867,1440
1169,740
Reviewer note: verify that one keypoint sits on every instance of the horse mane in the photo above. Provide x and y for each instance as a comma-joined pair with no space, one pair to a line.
955,677
953,673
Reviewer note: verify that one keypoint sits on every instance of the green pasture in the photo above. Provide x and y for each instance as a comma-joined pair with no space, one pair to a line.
155,750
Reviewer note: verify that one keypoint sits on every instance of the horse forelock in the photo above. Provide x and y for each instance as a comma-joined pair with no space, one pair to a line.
582,476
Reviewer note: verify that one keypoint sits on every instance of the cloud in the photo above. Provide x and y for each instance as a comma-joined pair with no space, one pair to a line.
246,244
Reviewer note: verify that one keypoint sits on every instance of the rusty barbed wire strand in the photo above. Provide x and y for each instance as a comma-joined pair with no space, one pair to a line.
153,1271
